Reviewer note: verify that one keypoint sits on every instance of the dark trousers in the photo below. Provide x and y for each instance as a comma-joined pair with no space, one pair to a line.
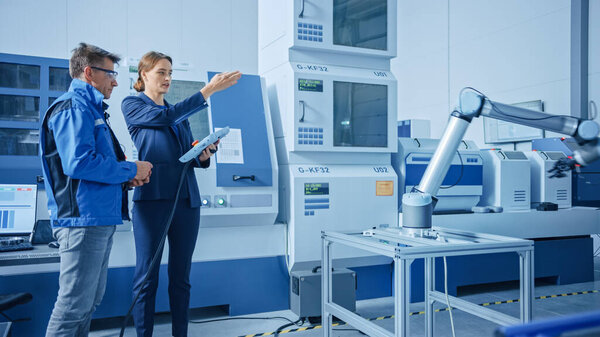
149,220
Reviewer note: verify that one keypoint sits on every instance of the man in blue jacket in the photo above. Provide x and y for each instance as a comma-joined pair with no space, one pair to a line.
86,178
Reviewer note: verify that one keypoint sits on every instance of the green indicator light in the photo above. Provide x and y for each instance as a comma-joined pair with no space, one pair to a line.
221,201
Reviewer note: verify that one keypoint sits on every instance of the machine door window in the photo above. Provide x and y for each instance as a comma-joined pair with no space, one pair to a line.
360,23
181,90
360,114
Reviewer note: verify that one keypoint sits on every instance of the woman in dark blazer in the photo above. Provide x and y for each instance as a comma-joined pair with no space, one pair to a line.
162,134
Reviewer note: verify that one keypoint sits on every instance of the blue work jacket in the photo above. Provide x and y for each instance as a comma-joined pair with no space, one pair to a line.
82,162
162,134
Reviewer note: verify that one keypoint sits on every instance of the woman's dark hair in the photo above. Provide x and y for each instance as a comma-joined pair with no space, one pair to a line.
148,61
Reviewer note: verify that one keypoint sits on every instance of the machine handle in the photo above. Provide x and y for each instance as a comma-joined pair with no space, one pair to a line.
301,120
301,15
236,177
316,269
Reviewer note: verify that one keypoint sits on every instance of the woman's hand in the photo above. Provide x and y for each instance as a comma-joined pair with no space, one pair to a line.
209,151
220,82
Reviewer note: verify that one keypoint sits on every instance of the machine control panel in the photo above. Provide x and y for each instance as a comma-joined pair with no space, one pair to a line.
310,32
310,136
316,197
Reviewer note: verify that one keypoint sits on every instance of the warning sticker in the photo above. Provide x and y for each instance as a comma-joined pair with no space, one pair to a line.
384,188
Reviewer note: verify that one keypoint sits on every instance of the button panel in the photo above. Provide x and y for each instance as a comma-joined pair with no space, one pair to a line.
310,136
310,32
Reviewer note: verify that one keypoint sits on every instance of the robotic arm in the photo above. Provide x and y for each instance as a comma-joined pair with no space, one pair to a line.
585,132
418,204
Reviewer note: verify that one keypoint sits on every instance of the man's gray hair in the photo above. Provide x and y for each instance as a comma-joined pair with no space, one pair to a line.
88,55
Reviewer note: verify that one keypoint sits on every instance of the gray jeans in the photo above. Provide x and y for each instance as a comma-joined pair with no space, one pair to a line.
84,253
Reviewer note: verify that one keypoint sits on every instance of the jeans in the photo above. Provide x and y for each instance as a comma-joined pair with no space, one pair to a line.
84,253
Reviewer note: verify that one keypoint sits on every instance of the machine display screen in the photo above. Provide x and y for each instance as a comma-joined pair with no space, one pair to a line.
360,114
181,90
316,189
360,23
515,155
555,155
310,85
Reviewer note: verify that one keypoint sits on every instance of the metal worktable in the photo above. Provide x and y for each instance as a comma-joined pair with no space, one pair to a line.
404,246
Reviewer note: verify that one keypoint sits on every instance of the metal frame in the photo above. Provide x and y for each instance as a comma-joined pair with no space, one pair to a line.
404,246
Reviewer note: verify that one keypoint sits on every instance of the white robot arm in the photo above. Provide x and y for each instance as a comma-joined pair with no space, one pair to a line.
418,205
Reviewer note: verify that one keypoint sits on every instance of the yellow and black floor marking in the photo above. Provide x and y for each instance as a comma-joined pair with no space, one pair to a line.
415,313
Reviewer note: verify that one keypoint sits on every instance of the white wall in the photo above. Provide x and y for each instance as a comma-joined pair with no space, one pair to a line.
511,50
210,35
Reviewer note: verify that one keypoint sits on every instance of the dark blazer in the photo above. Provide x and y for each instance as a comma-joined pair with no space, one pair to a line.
161,135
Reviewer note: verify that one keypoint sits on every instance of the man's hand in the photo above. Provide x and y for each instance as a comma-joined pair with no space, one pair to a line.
136,183
209,151
220,82
144,170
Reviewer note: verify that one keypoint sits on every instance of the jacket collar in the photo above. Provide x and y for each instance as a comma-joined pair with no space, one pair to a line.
88,92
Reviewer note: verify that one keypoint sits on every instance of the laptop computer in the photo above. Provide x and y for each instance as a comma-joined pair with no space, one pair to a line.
17,215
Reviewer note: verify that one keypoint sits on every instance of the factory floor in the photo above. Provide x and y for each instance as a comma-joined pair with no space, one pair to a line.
576,301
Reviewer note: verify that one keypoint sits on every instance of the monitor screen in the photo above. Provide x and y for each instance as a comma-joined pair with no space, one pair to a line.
360,114
496,131
17,208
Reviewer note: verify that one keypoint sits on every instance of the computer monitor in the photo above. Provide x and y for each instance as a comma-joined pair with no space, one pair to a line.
17,209
496,131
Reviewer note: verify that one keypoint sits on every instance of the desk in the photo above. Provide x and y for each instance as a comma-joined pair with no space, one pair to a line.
404,248
531,224
40,259
223,272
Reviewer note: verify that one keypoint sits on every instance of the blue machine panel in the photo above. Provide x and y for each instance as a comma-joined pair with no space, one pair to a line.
404,129
241,107
471,175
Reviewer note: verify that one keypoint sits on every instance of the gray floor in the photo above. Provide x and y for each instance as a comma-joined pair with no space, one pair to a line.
465,324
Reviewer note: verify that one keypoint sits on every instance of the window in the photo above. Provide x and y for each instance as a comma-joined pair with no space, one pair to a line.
19,108
60,80
28,85
19,76
19,142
